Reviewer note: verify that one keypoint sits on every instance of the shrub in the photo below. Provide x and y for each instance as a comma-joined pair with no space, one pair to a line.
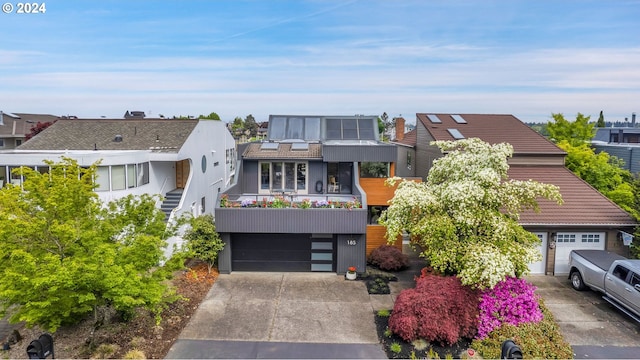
512,301
388,258
438,309
384,312
134,354
541,340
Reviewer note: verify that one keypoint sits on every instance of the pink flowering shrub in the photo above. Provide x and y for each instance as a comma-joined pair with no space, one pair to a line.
512,301
439,309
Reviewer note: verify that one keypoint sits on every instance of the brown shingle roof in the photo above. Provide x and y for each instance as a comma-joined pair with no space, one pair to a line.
583,205
159,135
23,123
255,151
410,138
492,129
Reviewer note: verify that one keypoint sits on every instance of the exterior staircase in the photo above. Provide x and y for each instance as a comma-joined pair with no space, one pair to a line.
171,201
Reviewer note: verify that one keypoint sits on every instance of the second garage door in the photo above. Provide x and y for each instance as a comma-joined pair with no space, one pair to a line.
282,252
567,241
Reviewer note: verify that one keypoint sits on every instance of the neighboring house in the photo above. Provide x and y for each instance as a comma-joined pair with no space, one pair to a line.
308,198
621,142
186,161
15,126
586,220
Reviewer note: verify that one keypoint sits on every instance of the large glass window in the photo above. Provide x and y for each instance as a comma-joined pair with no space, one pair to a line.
131,175
102,178
312,129
117,177
301,172
283,176
295,128
339,177
334,129
265,176
277,128
143,173
374,170
350,129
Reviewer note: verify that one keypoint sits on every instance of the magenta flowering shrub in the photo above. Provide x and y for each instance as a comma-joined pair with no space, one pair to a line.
512,301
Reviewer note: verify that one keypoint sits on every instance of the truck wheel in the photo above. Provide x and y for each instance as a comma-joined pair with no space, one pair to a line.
576,281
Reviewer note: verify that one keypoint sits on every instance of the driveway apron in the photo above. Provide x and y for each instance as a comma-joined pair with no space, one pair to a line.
284,307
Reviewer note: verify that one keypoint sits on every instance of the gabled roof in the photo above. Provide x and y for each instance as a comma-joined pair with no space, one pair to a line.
583,205
282,151
23,123
490,128
410,138
104,134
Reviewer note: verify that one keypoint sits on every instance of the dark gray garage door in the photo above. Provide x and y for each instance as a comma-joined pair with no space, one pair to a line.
282,252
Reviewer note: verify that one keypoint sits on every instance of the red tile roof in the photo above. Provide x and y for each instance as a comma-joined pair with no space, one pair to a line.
583,205
493,129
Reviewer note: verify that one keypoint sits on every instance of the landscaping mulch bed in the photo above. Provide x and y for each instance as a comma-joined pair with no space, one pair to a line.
397,348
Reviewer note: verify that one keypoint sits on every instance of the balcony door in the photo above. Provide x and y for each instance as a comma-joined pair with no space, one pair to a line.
276,176
339,177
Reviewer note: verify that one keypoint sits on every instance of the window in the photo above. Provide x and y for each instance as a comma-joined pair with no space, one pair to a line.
408,160
350,129
374,170
18,142
567,238
374,212
635,280
143,173
591,238
1,142
283,176
339,177
117,177
102,178
202,204
621,272
131,176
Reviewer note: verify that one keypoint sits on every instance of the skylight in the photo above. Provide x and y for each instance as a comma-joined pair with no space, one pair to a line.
434,119
269,146
300,146
459,119
456,134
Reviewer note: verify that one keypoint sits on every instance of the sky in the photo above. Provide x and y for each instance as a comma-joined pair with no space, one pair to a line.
323,57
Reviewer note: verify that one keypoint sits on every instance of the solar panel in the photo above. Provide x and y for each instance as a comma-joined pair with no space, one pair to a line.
300,146
434,119
456,134
269,146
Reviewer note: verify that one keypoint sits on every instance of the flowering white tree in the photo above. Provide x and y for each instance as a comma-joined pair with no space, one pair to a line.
465,216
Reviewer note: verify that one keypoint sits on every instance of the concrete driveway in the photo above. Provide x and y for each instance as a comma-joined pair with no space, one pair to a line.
283,315
593,327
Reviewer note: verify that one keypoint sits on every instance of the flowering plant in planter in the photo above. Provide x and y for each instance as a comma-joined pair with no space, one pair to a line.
351,269
305,204
224,200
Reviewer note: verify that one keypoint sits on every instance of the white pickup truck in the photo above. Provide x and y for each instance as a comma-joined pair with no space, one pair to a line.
617,277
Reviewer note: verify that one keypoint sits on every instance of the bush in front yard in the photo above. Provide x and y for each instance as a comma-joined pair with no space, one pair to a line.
541,340
512,301
438,309
388,258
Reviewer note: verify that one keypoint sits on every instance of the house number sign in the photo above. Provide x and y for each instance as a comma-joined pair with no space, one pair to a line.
352,242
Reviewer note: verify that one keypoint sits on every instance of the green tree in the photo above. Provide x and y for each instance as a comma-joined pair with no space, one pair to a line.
251,125
465,216
64,253
576,132
202,240
212,116
238,124
600,122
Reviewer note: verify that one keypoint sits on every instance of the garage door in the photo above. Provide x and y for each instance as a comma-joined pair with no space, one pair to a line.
565,242
282,252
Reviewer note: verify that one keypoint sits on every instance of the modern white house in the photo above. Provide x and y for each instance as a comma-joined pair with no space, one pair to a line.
188,162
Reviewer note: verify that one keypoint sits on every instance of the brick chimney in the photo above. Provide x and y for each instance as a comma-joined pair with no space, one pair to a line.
399,128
